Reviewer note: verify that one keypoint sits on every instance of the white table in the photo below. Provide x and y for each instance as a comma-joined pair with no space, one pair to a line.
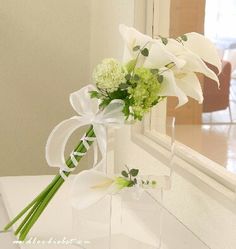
57,219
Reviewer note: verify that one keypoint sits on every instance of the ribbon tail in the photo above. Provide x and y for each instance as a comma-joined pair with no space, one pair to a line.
101,135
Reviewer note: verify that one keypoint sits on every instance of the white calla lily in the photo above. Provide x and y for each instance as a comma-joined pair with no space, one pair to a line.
169,87
158,56
187,57
132,38
193,90
203,47
89,187
185,77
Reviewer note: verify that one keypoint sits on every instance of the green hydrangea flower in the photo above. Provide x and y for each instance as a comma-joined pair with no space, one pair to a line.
143,91
109,75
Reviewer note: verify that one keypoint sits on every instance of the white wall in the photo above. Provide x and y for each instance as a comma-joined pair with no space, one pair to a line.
48,49
106,15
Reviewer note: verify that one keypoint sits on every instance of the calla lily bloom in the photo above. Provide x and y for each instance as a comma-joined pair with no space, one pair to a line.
89,187
185,78
203,47
158,57
186,57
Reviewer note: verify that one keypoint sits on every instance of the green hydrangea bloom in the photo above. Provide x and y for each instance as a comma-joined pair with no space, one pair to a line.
143,91
109,75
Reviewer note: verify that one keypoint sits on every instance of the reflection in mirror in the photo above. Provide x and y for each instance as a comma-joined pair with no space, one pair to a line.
209,128
218,28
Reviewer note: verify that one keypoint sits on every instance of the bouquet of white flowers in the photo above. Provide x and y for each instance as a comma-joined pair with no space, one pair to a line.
152,69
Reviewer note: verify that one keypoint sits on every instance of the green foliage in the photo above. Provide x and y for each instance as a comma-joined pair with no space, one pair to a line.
131,65
136,48
145,52
184,37
160,78
128,178
105,102
124,173
164,40
95,94
134,172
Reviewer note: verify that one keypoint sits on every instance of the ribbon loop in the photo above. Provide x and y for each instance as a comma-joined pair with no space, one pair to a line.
89,113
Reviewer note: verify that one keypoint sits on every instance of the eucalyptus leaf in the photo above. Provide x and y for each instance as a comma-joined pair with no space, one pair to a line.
164,40
124,173
136,48
160,78
145,52
134,172
136,77
184,37
128,76
154,71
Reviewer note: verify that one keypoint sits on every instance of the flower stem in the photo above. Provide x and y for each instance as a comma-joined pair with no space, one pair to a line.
38,205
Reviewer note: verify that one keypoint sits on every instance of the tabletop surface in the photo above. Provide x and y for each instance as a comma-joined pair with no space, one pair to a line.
56,222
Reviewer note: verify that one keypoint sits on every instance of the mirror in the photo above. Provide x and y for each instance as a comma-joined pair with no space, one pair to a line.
209,128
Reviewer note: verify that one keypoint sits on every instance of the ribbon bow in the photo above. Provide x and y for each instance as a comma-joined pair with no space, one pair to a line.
89,113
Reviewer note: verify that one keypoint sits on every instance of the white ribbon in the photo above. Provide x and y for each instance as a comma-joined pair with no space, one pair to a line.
89,113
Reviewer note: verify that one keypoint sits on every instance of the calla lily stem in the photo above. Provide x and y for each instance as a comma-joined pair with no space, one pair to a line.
36,207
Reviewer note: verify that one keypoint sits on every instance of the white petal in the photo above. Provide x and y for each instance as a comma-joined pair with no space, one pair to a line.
175,47
132,38
170,88
89,187
203,47
191,86
159,57
195,64
82,102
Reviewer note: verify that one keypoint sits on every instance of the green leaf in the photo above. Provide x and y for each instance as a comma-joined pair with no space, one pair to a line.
94,94
124,173
164,40
134,172
184,37
104,103
145,52
154,71
123,86
160,78
136,48
136,77
131,184
126,110
128,76
131,65
118,94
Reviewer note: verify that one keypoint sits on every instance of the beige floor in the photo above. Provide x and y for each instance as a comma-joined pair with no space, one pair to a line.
217,142
214,140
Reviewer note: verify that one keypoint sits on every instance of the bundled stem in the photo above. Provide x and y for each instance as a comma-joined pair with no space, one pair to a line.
36,207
